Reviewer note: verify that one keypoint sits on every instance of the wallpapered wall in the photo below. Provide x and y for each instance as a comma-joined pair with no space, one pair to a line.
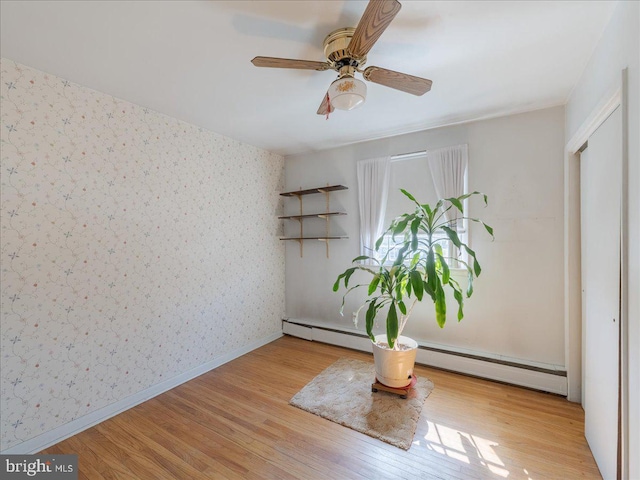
135,247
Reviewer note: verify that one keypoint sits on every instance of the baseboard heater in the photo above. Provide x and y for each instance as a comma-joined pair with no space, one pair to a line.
552,379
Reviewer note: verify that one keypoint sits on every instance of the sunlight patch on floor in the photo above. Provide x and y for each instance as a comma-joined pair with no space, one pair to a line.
464,447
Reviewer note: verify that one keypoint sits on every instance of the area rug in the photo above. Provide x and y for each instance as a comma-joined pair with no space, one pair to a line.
342,393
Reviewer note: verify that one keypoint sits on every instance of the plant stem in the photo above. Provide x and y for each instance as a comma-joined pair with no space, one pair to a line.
404,318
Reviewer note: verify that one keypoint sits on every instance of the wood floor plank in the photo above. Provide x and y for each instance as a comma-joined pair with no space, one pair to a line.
233,426
178,447
235,422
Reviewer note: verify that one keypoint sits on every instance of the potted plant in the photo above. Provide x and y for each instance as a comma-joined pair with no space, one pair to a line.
420,271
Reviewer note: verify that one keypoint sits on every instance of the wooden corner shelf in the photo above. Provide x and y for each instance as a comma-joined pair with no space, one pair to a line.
326,215
310,191
311,215
313,238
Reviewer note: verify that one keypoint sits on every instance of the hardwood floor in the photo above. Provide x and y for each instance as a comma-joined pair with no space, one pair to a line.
235,422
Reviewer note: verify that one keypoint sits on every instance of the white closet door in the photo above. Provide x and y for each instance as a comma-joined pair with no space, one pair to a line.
600,180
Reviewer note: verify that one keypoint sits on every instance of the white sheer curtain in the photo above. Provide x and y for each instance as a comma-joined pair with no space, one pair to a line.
448,166
373,187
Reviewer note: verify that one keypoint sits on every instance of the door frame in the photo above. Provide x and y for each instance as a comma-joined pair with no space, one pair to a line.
617,97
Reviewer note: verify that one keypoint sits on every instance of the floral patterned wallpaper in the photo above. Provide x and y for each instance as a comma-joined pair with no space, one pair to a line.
135,247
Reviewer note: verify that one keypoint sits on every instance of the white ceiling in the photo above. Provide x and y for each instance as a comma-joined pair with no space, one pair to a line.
191,60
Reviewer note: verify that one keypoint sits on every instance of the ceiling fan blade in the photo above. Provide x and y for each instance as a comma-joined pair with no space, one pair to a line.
399,81
375,19
274,62
325,107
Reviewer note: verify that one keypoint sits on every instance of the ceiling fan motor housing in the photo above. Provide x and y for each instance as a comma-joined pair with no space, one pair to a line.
336,49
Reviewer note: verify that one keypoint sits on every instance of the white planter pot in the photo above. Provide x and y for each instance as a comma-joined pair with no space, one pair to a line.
394,368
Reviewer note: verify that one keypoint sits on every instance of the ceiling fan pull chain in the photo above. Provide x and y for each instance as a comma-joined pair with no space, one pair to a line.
328,106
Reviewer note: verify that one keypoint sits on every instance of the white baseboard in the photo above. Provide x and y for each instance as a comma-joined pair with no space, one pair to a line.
36,444
523,374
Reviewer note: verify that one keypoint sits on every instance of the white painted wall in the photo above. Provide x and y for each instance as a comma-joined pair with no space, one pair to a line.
619,48
517,307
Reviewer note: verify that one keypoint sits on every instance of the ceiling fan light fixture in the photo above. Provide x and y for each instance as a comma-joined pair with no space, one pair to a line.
347,93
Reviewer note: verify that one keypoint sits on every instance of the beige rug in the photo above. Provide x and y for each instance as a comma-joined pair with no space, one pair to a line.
342,394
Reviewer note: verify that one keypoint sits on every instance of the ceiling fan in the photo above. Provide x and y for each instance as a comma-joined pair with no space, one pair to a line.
346,51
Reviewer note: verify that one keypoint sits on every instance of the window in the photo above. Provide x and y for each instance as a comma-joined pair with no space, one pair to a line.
412,173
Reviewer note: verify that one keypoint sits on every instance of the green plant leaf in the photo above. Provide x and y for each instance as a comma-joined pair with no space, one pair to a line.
392,325
360,258
402,307
467,195
462,262
429,291
348,271
453,236
374,284
409,196
446,274
415,223
370,317
470,285
441,305
379,242
488,228
476,266
400,226
457,294
401,254
414,233
398,291
416,283
432,275
336,285
456,203
347,276
393,270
